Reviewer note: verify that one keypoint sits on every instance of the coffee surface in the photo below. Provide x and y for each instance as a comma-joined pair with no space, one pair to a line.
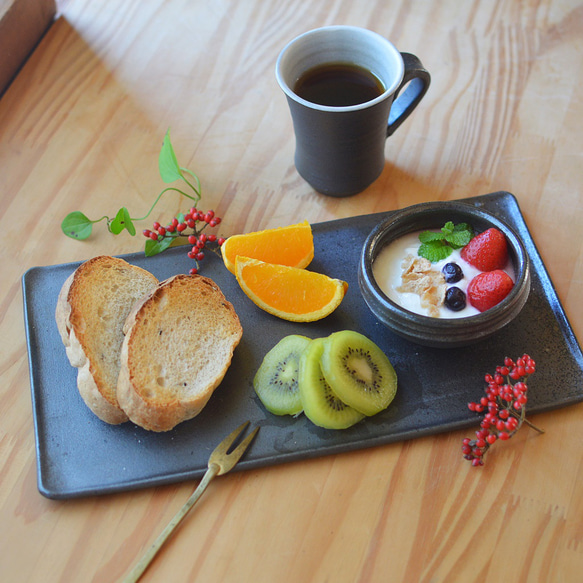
338,85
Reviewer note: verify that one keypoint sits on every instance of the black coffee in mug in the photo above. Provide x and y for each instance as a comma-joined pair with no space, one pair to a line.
342,115
338,85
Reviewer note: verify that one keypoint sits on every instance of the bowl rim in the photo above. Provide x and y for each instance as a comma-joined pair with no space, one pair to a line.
377,239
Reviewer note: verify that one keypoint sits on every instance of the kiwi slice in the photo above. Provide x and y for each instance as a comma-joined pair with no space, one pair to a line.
359,371
321,406
276,381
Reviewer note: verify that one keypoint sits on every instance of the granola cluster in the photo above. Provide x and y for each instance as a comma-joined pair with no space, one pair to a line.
419,278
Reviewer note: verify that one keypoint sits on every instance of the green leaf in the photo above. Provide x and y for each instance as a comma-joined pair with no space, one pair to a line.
122,221
167,162
129,224
77,226
448,228
434,251
438,246
464,227
429,236
154,247
459,239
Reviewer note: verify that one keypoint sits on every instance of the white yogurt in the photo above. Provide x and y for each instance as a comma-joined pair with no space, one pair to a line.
387,272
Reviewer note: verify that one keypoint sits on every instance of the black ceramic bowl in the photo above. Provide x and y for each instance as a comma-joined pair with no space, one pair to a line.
441,332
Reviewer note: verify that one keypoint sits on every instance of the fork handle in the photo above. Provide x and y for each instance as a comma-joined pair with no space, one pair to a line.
143,563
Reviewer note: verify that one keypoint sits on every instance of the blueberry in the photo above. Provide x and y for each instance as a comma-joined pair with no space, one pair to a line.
452,272
455,299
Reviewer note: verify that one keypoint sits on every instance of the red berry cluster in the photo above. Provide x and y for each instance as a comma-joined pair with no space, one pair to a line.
505,406
195,220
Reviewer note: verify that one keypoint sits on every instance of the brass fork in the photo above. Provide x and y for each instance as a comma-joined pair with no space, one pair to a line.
220,462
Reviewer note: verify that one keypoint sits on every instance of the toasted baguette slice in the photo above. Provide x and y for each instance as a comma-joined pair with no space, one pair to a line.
178,345
92,307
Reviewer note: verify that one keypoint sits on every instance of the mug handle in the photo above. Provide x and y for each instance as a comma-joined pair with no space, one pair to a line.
419,79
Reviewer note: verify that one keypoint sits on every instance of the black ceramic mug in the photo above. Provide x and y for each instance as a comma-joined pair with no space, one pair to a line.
340,144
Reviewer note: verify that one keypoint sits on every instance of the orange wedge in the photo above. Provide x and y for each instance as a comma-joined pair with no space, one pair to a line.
289,292
292,245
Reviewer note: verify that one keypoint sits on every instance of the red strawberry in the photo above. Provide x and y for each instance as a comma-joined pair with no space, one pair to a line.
487,251
488,289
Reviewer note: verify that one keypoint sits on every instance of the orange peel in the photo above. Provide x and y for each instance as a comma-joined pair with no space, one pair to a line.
292,245
289,293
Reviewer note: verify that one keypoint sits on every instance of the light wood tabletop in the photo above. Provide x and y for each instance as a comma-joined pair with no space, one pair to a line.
81,127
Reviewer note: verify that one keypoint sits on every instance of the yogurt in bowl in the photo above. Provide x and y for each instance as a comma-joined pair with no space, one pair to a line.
402,229
396,260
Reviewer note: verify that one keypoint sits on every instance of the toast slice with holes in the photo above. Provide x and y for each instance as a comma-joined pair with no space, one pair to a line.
92,307
179,343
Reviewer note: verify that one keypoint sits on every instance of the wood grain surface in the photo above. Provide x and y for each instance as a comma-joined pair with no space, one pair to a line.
80,129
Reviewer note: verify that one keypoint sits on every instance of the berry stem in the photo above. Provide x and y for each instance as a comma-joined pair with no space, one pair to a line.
77,225
196,189
504,407
533,426
160,196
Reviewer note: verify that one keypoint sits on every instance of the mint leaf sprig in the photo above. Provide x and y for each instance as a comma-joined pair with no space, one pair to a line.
436,246
77,225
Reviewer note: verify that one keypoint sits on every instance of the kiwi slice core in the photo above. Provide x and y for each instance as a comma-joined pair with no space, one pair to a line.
359,371
276,381
321,406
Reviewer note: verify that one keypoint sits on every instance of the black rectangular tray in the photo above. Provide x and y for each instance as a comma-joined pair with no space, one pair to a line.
78,455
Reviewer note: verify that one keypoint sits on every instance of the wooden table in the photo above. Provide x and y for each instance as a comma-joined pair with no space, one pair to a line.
80,129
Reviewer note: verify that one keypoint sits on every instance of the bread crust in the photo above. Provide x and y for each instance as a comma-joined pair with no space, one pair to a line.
152,337
72,323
